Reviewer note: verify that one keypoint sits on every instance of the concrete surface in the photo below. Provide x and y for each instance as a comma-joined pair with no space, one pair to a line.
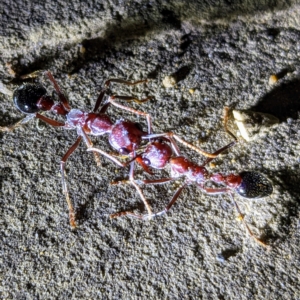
226,52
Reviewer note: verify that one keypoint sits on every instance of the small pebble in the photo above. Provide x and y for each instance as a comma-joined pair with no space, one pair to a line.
10,69
169,81
273,79
82,49
212,165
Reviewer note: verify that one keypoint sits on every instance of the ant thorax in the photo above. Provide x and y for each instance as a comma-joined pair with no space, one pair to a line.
126,136
180,166
92,123
157,154
76,117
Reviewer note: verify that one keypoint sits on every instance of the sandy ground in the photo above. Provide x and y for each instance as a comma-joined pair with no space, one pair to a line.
222,54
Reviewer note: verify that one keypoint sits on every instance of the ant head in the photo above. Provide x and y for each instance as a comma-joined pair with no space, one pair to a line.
27,96
254,185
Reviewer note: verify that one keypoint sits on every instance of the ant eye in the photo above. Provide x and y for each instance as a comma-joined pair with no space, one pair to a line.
146,161
138,126
27,96
124,151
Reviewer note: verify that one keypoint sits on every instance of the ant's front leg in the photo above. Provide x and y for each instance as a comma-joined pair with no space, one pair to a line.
82,135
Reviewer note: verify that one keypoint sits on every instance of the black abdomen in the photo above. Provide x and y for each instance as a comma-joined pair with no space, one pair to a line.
27,96
254,185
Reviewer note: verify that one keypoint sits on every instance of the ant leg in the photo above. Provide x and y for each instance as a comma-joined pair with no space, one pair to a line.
61,95
150,215
132,181
259,241
216,191
146,181
219,152
225,123
18,124
167,208
48,120
30,117
111,157
106,86
131,98
64,184
131,178
171,135
89,144
148,116
99,101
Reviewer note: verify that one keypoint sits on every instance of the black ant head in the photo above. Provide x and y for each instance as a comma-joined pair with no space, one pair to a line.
254,185
27,96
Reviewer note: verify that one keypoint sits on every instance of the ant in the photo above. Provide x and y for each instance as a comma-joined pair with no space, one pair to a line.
124,136
158,154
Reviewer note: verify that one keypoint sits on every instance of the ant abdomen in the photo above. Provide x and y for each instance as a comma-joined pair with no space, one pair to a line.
157,155
125,136
27,96
254,185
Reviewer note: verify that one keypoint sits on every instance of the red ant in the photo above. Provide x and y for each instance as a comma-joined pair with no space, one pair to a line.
124,136
158,154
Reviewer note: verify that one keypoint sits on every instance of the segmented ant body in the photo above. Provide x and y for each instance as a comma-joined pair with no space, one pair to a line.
124,136
160,155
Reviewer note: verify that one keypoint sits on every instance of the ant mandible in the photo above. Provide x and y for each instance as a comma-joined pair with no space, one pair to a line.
158,155
124,136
